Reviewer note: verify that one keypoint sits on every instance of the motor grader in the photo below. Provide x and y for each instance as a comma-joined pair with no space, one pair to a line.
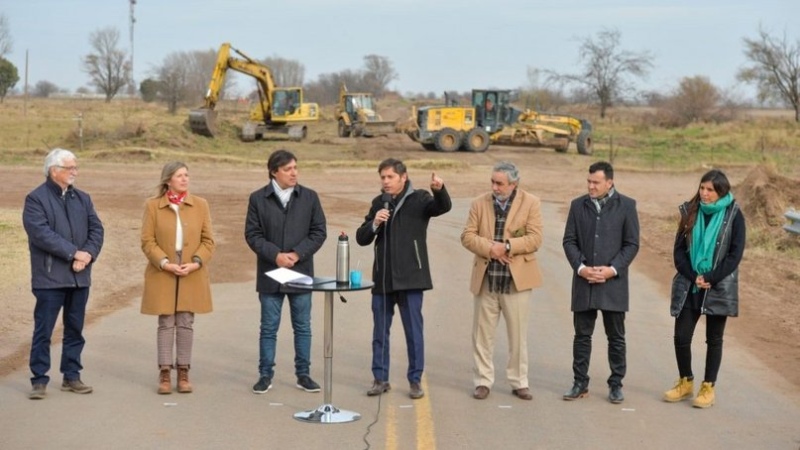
357,116
491,119
278,110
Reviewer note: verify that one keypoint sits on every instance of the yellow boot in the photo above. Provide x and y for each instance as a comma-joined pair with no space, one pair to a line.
705,398
682,390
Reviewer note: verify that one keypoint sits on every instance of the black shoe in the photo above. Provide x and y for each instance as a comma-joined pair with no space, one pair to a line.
578,390
378,388
615,394
264,384
305,383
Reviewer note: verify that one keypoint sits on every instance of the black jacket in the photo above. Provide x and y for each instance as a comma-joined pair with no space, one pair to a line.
406,234
58,226
607,238
723,297
271,229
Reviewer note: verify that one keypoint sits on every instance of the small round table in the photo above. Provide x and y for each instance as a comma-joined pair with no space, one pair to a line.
327,413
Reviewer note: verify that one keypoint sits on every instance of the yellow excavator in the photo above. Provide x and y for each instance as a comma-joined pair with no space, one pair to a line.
279,110
357,115
491,119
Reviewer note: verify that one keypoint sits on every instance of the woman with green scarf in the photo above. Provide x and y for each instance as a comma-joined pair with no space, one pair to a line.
708,249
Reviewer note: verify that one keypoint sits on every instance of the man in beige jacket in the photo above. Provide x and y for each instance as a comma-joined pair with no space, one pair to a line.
504,230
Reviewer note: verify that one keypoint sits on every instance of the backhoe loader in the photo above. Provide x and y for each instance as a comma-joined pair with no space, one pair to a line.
491,119
279,110
357,116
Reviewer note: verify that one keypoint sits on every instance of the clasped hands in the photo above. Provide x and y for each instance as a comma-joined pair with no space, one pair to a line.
81,260
597,274
701,283
287,260
498,252
181,270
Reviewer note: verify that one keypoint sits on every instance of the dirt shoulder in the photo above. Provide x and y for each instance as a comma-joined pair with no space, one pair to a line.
770,310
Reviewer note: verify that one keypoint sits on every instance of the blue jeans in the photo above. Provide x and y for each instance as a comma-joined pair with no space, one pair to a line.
300,308
48,304
410,305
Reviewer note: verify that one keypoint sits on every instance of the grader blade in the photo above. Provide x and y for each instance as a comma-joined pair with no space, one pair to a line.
203,122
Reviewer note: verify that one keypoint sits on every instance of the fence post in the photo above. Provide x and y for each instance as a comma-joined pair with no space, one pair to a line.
794,221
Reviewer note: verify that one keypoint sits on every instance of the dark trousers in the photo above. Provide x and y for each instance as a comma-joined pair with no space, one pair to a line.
49,303
685,324
614,324
409,303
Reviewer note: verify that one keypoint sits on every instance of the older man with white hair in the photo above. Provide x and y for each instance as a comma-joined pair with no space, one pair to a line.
64,237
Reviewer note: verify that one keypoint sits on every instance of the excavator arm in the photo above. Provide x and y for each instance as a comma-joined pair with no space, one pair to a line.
203,120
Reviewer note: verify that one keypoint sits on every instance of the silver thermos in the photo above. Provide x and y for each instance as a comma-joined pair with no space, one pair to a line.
343,259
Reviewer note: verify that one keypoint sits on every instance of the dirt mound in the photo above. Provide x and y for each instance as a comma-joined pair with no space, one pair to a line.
765,196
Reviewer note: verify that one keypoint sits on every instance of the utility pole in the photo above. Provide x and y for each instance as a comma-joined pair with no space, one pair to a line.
133,21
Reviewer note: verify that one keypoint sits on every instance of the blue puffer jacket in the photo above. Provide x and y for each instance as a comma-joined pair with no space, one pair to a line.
58,226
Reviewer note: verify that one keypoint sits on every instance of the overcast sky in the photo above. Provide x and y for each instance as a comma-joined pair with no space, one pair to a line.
434,45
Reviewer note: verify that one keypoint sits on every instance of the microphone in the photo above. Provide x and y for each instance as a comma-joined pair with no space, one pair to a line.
386,198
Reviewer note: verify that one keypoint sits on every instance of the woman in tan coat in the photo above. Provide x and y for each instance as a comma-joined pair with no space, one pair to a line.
178,244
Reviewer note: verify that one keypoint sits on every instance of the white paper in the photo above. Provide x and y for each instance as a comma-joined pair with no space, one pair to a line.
283,275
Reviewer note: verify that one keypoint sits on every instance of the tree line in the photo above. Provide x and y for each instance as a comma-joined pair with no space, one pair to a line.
607,76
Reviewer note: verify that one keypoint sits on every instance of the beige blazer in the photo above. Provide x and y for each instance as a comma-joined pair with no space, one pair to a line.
523,230
158,242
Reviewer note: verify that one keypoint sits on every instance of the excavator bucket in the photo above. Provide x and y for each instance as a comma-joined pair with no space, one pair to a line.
203,121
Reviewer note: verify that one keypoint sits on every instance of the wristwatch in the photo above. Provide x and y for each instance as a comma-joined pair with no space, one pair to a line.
508,247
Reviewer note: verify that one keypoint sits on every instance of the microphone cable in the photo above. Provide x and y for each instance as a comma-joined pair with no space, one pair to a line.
385,299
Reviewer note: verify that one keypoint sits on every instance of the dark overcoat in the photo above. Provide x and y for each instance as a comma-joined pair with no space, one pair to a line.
606,238
271,229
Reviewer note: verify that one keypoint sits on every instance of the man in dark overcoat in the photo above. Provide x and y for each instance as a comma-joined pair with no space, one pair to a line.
601,238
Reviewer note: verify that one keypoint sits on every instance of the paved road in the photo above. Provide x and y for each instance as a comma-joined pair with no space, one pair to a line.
756,409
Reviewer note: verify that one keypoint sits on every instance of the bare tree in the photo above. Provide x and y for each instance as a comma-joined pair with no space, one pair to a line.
695,99
542,96
379,72
286,72
199,67
109,66
44,89
607,68
172,77
326,89
8,77
775,69
5,36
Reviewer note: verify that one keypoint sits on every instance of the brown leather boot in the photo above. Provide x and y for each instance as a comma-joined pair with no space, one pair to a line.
164,380
184,386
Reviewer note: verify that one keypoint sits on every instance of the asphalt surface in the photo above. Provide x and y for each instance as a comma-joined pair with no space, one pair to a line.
756,409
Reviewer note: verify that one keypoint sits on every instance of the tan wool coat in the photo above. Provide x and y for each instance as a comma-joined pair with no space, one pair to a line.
164,293
523,230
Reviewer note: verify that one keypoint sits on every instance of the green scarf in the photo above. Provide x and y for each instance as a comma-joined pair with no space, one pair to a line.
704,235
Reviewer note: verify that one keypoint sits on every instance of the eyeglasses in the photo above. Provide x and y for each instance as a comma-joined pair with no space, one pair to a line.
70,168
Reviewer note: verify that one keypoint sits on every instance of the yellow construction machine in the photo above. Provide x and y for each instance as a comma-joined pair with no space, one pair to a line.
357,115
491,119
279,110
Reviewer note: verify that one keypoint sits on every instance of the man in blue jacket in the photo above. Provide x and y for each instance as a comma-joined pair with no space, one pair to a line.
64,237
285,226
398,223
